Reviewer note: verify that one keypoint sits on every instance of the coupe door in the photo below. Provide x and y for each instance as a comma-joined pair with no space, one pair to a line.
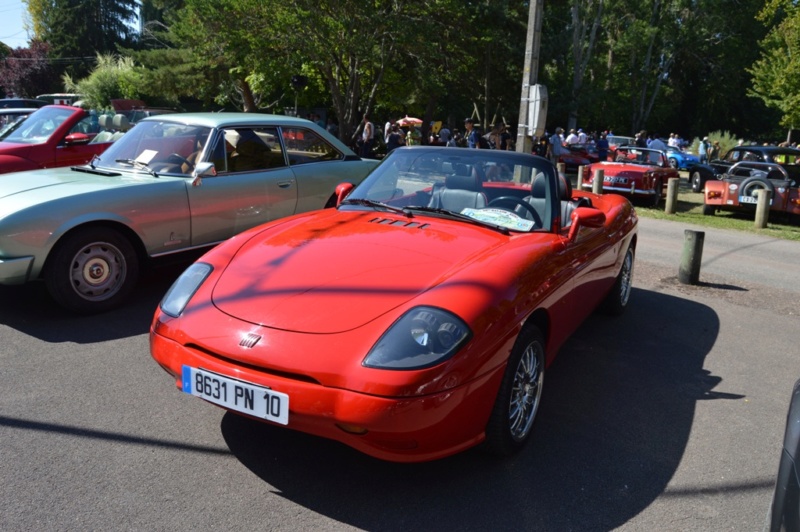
253,185
77,154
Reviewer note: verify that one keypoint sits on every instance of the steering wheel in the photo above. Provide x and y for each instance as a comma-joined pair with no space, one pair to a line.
181,159
522,203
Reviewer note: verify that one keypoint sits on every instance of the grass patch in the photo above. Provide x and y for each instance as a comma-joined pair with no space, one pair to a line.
690,210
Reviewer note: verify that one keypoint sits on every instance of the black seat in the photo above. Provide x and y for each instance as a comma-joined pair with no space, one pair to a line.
459,192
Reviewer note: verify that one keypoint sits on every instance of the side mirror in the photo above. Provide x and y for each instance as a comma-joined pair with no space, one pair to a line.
203,170
585,217
342,191
75,139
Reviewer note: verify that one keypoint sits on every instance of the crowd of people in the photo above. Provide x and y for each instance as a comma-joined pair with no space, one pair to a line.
409,133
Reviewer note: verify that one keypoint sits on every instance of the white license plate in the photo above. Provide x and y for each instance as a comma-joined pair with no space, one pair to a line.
237,395
747,199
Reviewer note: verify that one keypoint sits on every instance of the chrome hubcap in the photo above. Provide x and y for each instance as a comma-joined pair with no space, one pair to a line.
626,280
526,392
97,271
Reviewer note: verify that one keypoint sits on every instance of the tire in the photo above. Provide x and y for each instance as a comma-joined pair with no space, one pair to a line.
658,188
617,299
673,163
751,184
697,182
92,270
709,210
517,403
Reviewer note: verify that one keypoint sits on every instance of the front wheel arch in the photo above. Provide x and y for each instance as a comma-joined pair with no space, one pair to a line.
121,237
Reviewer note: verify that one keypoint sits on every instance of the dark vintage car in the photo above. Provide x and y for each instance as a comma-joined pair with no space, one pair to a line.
785,511
720,168
639,173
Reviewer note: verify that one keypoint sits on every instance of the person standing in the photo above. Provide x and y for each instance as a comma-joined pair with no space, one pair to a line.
602,147
471,134
366,137
702,150
713,152
394,139
414,136
556,147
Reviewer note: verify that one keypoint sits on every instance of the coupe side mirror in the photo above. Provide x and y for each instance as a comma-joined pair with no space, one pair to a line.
342,191
76,139
202,170
585,217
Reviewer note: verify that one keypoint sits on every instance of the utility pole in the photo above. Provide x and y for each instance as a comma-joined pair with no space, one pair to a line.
530,74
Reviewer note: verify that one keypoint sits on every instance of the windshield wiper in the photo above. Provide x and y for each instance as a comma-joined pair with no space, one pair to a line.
377,205
457,216
138,164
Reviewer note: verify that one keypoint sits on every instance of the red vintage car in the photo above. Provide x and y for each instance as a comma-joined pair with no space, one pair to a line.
53,135
578,155
414,320
737,189
636,172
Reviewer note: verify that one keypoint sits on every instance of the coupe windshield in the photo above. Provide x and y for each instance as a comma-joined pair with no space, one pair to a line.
156,146
502,189
640,156
36,128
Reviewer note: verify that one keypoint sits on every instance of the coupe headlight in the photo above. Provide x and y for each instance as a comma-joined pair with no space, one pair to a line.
422,337
184,287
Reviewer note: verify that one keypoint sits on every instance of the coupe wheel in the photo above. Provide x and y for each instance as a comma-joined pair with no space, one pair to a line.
617,299
520,393
697,182
92,270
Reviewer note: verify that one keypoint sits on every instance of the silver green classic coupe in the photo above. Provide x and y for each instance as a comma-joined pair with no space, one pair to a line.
172,183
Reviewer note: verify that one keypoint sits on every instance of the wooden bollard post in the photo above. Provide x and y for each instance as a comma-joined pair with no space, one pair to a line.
597,183
689,270
579,179
673,184
762,207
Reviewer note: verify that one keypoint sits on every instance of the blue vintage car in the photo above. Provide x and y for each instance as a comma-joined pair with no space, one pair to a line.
682,160
172,183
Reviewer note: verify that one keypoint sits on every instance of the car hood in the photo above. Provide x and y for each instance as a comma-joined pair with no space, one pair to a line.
22,189
338,271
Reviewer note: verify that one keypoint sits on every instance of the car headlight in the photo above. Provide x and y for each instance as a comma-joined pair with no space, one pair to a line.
422,337
182,290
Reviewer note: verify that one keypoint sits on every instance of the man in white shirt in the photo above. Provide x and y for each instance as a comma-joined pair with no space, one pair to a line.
572,138
581,137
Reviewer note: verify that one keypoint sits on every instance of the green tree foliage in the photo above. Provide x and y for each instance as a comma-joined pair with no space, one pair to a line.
113,77
76,30
776,75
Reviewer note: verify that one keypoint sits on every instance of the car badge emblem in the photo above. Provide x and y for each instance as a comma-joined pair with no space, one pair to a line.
250,340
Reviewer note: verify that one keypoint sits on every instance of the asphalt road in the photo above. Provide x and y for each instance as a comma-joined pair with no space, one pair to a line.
667,418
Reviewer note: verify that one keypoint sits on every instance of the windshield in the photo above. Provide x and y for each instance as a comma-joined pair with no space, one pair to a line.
37,127
157,146
488,186
641,156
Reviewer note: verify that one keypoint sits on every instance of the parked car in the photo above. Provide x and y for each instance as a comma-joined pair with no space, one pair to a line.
87,230
10,115
720,168
51,136
25,103
636,172
681,159
617,141
413,321
785,507
737,190
578,155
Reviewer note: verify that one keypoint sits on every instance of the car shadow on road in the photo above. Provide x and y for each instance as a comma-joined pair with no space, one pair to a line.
30,309
617,410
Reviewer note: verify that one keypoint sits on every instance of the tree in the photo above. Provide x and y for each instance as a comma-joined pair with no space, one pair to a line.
776,75
77,30
26,72
113,77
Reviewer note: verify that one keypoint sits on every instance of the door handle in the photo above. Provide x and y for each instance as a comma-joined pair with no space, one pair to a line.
284,184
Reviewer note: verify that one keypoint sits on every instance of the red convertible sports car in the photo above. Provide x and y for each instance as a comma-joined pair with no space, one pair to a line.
635,172
414,320
53,135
